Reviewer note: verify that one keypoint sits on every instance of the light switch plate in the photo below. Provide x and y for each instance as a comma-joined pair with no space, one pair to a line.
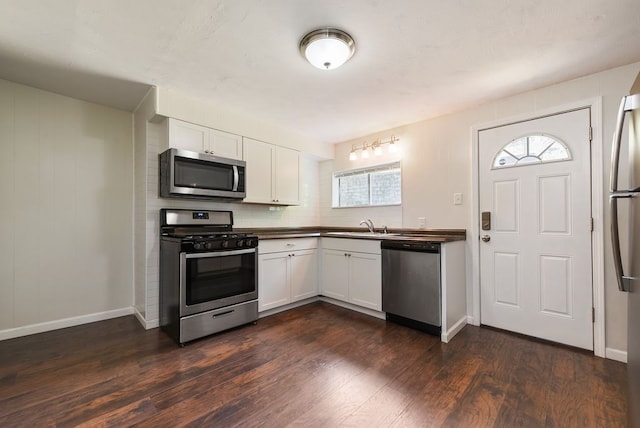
457,199
422,222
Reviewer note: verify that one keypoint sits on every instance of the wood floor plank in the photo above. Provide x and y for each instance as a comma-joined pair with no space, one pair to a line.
317,365
526,400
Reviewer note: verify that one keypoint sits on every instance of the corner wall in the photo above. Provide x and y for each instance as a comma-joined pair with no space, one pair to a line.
66,174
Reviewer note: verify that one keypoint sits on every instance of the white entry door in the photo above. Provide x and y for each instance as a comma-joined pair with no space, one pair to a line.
535,255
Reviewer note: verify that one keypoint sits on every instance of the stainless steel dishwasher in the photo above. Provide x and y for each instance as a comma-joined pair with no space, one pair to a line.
411,291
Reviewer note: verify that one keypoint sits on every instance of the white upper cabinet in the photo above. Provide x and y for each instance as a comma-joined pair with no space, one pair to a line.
272,173
259,171
196,138
287,172
187,136
225,144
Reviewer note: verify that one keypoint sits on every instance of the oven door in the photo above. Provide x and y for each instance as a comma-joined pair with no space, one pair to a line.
217,279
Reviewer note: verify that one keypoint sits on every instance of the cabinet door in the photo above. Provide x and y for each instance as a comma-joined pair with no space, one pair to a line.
259,171
365,280
187,136
287,176
335,274
303,274
273,282
225,144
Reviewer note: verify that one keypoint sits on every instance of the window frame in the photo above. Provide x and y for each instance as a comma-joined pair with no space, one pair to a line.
540,161
336,175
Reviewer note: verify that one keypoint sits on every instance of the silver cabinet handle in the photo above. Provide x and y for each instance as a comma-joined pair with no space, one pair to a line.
486,238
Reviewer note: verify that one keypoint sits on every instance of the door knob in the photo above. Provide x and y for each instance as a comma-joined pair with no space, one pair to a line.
486,238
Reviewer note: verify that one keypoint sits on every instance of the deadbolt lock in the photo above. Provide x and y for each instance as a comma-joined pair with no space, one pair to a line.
486,220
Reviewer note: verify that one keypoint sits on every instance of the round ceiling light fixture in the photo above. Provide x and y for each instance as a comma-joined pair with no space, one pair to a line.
327,48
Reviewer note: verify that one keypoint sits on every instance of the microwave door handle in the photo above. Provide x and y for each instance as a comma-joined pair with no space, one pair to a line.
236,178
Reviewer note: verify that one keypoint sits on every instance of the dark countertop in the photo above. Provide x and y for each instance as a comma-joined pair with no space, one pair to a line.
425,235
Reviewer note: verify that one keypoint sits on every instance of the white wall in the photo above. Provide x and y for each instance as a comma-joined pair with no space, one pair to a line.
66,174
437,156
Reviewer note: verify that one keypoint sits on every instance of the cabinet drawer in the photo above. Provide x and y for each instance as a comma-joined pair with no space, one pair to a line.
280,245
371,246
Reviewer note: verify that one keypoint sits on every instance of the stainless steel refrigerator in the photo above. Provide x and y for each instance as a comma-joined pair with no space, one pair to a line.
628,273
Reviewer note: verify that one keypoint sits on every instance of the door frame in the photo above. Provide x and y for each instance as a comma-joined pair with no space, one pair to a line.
597,210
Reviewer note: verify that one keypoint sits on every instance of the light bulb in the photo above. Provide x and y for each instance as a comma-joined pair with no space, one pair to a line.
365,153
377,150
392,147
353,155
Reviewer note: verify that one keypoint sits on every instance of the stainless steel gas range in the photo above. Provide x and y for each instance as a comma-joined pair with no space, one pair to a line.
208,274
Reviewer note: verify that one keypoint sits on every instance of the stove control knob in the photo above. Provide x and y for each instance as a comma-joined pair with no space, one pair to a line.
240,243
225,244
248,243
209,245
198,246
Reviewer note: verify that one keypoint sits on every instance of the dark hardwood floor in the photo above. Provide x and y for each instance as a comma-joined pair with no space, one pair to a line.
315,366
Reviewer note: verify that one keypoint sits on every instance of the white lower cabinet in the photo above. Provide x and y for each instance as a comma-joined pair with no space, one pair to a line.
287,272
274,288
352,271
335,278
303,274
365,280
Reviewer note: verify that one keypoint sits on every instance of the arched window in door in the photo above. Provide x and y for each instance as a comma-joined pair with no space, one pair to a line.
531,149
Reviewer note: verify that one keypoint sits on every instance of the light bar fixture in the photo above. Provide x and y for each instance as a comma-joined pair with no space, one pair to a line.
327,48
376,147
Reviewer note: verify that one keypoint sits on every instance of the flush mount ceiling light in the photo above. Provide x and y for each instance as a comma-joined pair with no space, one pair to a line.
327,48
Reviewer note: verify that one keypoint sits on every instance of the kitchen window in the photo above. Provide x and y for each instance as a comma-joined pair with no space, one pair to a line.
372,186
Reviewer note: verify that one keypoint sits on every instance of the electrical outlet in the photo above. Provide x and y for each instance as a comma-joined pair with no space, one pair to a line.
457,199
422,222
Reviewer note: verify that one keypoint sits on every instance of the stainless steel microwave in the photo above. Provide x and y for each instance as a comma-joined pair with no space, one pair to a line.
189,174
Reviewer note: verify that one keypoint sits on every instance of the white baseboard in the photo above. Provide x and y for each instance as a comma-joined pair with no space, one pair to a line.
455,329
472,321
616,354
63,323
287,307
356,308
148,325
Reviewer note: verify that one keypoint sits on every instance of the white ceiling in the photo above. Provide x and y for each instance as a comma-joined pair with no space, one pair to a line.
414,59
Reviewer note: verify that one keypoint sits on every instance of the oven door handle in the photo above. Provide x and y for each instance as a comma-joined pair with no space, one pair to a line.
218,254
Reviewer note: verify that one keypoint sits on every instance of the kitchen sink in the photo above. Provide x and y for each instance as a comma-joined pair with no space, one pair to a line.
360,234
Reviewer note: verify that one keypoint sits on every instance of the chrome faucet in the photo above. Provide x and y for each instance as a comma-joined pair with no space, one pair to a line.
369,224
